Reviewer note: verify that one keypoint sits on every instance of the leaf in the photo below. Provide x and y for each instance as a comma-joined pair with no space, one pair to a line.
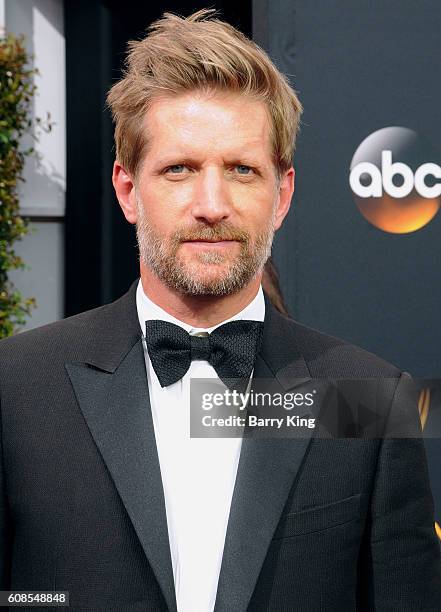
17,90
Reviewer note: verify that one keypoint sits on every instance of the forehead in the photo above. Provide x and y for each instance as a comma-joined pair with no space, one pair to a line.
208,123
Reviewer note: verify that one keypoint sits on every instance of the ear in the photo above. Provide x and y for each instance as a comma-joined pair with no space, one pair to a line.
125,192
286,190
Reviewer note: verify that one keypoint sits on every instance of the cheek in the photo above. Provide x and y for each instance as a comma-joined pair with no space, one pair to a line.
256,210
173,194
163,205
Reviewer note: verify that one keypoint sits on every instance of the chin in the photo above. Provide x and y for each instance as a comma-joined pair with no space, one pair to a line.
200,268
209,260
208,273
214,281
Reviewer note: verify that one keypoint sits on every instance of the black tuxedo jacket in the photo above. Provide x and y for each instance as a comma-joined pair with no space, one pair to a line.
315,524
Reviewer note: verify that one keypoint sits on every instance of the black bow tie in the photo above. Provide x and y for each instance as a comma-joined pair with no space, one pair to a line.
231,349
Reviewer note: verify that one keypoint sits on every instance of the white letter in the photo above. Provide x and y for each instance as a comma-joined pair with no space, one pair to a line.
244,399
206,401
218,399
309,398
420,184
389,170
369,191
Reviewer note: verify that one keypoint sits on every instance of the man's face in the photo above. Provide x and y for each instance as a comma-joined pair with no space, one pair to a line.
207,196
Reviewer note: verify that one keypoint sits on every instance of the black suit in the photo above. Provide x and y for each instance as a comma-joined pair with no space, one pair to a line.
315,524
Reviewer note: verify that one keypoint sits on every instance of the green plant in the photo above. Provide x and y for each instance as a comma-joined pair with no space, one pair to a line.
16,92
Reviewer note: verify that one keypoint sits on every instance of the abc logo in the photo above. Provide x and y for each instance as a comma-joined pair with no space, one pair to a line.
395,181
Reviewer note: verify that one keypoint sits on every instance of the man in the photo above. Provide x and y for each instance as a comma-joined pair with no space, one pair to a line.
104,492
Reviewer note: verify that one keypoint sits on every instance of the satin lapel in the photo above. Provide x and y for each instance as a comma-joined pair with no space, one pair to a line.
266,474
114,399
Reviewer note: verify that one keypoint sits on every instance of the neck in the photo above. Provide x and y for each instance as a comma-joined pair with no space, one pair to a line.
197,310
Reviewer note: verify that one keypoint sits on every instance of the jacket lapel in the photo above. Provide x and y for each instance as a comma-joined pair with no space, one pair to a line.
112,391
266,473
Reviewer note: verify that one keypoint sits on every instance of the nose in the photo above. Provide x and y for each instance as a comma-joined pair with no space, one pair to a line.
211,197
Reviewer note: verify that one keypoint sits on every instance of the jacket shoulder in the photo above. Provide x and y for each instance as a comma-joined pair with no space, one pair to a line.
72,331
77,336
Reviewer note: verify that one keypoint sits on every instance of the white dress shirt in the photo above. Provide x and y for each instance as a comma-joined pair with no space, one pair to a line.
198,474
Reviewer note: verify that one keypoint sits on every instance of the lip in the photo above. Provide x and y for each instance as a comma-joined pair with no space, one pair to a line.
210,243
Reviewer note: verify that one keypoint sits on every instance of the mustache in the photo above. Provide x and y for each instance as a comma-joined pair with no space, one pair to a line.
219,232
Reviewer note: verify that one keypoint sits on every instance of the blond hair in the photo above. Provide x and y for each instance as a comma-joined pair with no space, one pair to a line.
199,52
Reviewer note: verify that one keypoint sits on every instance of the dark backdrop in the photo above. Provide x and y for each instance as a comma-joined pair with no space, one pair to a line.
358,67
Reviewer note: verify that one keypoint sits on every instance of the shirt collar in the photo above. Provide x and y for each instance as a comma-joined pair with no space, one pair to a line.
148,310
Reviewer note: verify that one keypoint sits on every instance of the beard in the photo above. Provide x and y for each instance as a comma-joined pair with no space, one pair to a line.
209,272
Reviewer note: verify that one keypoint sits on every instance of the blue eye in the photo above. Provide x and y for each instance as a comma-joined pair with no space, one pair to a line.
242,169
176,169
